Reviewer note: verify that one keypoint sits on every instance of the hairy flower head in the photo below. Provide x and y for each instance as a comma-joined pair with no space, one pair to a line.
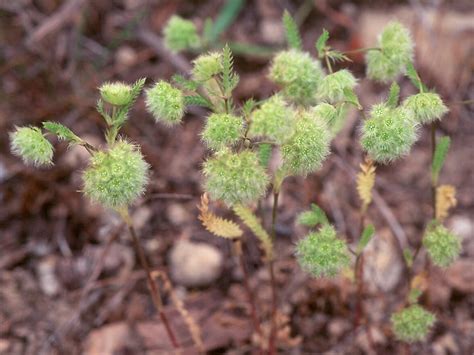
206,66
274,120
298,74
180,34
222,130
116,93
117,176
442,246
426,106
30,144
321,253
305,151
333,85
235,177
334,117
165,103
412,323
388,133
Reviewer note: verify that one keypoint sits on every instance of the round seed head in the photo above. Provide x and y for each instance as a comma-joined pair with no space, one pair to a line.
180,34
222,130
442,246
412,323
206,66
165,103
333,85
426,107
116,93
117,176
31,146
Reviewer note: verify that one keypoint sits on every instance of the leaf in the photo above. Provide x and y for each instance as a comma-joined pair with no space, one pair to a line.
408,256
292,33
216,225
229,78
197,100
365,238
418,285
185,83
207,30
264,154
365,182
226,17
351,97
336,56
312,217
122,113
439,157
248,107
63,133
251,221
393,95
100,108
321,43
445,200
415,78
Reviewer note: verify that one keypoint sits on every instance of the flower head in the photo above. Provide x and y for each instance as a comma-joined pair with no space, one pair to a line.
116,93
388,133
235,177
333,85
222,130
274,120
442,246
322,253
165,103
117,176
31,145
180,34
206,66
298,74
412,324
426,107
306,149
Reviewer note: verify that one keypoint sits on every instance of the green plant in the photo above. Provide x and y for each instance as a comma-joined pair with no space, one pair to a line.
412,323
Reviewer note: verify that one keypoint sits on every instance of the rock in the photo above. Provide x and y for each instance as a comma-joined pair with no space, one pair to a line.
195,264
109,339
141,217
177,214
47,277
460,275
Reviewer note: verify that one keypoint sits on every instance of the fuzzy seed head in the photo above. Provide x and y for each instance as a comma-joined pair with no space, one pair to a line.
426,107
222,130
308,146
206,66
322,253
298,74
165,103
235,178
180,34
442,246
116,93
333,85
273,120
31,146
116,177
412,323
388,134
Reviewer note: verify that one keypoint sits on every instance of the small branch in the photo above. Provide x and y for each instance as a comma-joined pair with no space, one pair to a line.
271,340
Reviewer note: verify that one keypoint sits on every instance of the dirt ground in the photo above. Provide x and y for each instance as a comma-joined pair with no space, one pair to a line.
69,279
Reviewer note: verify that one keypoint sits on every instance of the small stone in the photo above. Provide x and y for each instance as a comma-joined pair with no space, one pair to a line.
47,277
141,217
195,264
177,214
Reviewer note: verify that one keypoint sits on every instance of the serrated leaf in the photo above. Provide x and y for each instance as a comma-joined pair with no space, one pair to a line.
393,95
439,157
248,107
100,108
351,97
264,154
292,33
185,83
336,56
122,113
216,225
63,133
197,100
365,182
365,238
321,43
408,256
226,17
412,74
313,217
229,78
445,200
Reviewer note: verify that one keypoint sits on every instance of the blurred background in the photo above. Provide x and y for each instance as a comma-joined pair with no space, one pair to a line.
69,281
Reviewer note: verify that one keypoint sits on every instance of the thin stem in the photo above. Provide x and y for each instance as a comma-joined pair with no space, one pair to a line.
328,63
152,285
271,340
433,150
358,50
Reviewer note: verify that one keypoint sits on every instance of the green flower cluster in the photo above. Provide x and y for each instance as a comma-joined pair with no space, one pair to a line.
396,51
165,103
116,93
321,253
333,85
442,246
388,133
180,34
207,66
298,74
307,148
235,178
116,177
222,130
273,120
412,324
426,106
30,144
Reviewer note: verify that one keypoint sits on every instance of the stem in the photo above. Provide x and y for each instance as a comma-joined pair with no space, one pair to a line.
433,149
271,340
328,63
358,50
152,285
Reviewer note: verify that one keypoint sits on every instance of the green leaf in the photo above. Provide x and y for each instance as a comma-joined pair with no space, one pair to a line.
100,108
415,78
264,154
197,100
365,238
408,256
393,95
122,113
336,56
248,107
226,17
351,97
185,83
229,78
63,133
292,33
439,157
312,217
207,30
321,43
414,295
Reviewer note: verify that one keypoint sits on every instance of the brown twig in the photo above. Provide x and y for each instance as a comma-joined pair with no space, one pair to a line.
271,340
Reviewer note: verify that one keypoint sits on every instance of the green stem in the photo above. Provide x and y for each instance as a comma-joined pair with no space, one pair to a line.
271,340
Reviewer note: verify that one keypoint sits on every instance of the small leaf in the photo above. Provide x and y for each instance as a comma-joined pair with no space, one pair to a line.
408,256
264,154
366,182
62,132
185,83
365,238
321,43
439,157
351,97
336,56
415,78
445,200
248,107
216,225
197,100
393,95
312,217
229,78
226,17
292,33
